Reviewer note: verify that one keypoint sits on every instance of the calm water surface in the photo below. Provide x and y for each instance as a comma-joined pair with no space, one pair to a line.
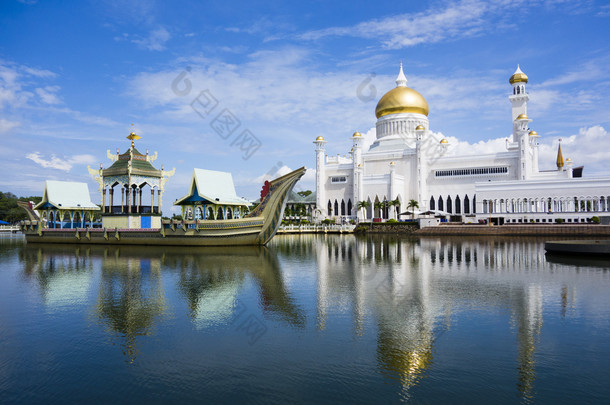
312,319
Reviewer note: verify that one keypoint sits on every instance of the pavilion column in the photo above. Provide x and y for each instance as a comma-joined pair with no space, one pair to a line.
122,199
111,191
128,197
159,195
152,199
139,198
103,199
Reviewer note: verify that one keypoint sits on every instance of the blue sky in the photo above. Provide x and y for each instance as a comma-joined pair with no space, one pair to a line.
75,75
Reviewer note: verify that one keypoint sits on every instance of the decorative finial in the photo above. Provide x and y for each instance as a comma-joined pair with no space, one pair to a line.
132,135
560,161
401,80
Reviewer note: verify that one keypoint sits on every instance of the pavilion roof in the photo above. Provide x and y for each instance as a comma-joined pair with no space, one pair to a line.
212,187
139,165
66,195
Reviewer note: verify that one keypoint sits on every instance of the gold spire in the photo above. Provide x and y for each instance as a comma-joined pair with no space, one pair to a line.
560,161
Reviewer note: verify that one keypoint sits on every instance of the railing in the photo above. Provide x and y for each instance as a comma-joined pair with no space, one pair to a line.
144,209
313,228
9,228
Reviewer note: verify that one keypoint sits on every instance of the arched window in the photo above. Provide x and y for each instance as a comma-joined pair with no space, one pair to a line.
458,205
466,205
330,208
349,207
432,205
220,214
440,203
342,207
474,204
336,208
449,205
229,213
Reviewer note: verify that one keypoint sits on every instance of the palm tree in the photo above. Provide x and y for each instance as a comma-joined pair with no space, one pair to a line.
394,203
412,205
378,206
363,205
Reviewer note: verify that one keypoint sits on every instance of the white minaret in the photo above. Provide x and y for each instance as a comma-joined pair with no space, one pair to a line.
521,134
356,171
519,96
422,191
320,175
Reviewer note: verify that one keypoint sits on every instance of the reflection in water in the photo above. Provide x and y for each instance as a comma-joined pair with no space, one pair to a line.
131,298
63,275
405,291
411,286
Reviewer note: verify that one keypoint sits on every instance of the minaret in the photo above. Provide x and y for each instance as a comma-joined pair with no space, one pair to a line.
519,97
357,171
421,166
320,174
520,134
533,138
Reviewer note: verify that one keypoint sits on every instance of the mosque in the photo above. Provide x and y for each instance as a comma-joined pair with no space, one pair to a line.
406,162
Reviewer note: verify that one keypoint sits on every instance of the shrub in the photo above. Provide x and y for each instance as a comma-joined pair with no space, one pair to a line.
391,221
560,220
595,220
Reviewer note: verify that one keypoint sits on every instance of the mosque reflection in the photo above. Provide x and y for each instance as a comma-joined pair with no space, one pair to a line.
411,287
405,291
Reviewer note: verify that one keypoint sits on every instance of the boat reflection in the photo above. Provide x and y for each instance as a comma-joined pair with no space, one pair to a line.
131,297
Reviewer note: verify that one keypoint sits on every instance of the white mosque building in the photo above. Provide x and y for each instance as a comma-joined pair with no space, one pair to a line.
406,162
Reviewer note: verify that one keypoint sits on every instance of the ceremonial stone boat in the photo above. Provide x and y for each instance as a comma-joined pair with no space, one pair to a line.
255,228
213,214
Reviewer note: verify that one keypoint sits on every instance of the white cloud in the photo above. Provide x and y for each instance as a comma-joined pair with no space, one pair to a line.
48,94
155,41
60,164
449,21
6,125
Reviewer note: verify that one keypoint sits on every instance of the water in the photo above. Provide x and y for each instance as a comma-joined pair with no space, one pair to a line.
312,319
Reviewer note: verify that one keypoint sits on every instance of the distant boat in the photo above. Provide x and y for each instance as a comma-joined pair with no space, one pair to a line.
255,228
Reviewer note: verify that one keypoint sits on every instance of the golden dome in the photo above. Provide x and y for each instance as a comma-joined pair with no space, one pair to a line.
533,133
522,117
392,163
444,141
357,134
518,77
420,128
568,160
401,99
320,138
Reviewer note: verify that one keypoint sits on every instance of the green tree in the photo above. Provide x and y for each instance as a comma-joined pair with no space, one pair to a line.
412,205
394,203
378,206
363,205
10,211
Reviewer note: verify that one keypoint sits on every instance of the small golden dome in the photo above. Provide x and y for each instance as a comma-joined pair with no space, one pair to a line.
420,128
522,117
518,77
401,99
357,134
320,138
533,133
568,160
392,163
444,141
